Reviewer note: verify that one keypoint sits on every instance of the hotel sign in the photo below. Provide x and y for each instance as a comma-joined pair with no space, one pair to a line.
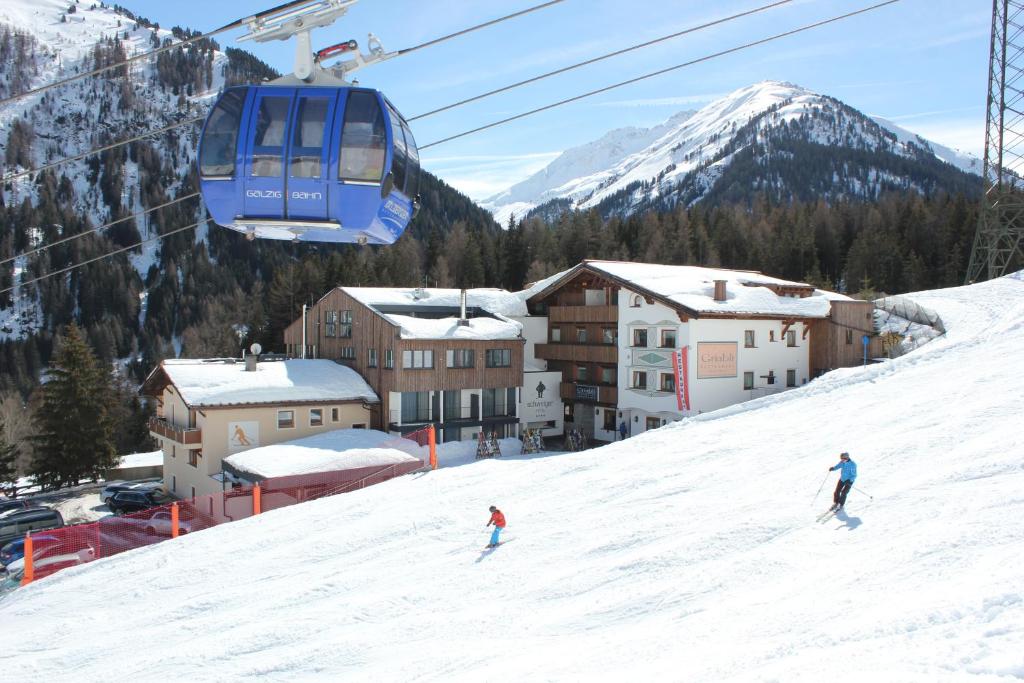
716,359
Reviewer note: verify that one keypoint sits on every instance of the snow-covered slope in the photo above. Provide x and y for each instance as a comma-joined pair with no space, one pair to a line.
694,143
687,553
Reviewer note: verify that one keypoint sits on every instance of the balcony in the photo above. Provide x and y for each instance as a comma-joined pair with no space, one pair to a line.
589,393
607,354
583,314
182,435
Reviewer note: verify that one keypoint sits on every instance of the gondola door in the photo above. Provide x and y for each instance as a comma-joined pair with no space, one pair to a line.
308,158
265,186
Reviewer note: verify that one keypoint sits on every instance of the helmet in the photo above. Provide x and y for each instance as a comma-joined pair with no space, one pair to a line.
492,508
844,456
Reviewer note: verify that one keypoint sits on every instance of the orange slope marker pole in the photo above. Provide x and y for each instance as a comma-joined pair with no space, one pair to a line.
29,574
174,520
256,503
432,442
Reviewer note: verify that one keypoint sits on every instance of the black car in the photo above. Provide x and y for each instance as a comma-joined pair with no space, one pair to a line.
13,504
134,501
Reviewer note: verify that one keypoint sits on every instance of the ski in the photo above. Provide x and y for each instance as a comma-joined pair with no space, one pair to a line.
827,515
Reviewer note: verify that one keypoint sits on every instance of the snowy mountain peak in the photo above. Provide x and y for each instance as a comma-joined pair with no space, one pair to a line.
686,155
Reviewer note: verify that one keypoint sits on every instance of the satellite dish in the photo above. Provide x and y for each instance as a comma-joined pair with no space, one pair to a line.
255,349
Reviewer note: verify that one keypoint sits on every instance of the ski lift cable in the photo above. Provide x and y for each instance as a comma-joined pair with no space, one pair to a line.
100,258
638,46
105,148
143,55
660,72
492,22
97,229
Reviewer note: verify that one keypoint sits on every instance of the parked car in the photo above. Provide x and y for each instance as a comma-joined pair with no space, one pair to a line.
160,523
16,523
135,501
13,504
111,489
15,550
51,558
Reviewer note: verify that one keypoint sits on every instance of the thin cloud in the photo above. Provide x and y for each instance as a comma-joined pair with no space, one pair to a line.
927,114
665,101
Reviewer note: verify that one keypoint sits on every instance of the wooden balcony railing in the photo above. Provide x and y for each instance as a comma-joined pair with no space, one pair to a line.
583,314
183,435
580,353
589,393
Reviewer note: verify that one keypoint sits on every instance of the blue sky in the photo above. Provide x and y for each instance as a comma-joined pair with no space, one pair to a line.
920,63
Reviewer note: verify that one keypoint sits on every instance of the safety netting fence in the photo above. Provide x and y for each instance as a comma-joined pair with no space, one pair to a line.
47,552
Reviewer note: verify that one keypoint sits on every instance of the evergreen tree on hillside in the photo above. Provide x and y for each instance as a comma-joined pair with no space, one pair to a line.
74,430
8,460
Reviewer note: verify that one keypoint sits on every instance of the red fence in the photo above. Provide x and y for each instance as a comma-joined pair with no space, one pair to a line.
69,546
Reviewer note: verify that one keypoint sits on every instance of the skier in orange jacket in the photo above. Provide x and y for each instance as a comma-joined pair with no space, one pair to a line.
498,520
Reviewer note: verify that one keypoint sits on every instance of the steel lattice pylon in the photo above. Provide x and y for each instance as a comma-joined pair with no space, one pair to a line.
999,242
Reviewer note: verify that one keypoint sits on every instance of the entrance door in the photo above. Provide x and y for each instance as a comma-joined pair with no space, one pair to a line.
265,187
308,159
585,419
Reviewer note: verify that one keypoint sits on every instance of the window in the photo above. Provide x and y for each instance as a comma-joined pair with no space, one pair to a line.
173,451
609,420
193,458
363,140
269,140
371,358
308,138
640,337
174,483
345,327
348,353
581,373
556,334
415,406
359,425
412,184
748,380
499,358
790,378
334,414
316,417
791,338
418,359
461,358
609,335
285,419
748,339
331,324
668,339
400,153
639,379
608,375
499,402
771,335
389,359
220,139
581,335
635,301
849,336
668,382
653,423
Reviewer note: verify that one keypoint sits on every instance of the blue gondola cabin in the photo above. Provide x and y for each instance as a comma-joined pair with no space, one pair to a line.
310,163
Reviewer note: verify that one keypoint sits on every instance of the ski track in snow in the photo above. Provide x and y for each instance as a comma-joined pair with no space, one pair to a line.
687,553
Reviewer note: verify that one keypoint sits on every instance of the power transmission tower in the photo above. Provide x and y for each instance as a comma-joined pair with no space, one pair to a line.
998,242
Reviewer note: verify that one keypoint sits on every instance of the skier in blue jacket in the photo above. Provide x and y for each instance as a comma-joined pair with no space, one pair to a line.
847,474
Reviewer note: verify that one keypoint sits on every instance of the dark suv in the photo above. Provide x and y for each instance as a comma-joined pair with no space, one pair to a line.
134,501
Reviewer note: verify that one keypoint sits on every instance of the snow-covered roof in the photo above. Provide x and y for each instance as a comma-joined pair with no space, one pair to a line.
341,449
449,328
220,382
693,287
496,301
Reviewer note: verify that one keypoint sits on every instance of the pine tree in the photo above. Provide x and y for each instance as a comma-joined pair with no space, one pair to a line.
74,431
8,460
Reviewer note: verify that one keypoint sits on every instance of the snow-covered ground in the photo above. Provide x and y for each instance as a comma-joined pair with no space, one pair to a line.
687,553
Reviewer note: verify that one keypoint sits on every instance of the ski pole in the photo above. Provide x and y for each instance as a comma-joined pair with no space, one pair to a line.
864,492
820,488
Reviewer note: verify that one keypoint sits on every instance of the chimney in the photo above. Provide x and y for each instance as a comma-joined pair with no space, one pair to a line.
720,290
463,320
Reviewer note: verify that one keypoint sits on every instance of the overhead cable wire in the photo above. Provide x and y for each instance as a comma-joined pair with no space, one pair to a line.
105,148
463,32
638,46
100,258
660,72
97,229
144,55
